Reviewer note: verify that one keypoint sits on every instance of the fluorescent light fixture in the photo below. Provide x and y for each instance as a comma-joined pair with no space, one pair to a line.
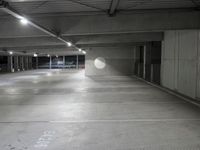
10,52
79,49
69,44
24,21
35,55
84,52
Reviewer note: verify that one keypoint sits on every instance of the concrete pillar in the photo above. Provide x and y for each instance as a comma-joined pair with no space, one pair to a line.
147,61
16,63
50,62
26,62
77,67
137,61
36,62
63,62
22,63
144,62
30,62
10,64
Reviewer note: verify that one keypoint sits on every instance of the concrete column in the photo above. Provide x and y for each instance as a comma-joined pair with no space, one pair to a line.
137,57
16,63
22,62
147,61
10,64
137,61
144,63
30,62
50,62
36,62
63,62
26,62
77,67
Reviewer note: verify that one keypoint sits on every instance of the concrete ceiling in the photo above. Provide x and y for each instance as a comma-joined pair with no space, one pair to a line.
90,23
58,6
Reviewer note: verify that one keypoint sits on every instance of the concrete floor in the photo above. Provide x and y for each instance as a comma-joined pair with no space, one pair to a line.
63,110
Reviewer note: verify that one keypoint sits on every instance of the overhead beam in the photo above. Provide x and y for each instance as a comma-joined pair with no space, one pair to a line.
127,44
119,38
43,52
102,24
113,7
81,40
40,47
62,48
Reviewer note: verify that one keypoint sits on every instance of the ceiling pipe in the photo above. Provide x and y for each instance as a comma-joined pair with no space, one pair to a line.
4,6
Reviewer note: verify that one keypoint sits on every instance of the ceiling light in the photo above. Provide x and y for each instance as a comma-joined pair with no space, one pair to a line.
35,55
24,21
79,49
10,52
48,55
84,52
56,56
69,44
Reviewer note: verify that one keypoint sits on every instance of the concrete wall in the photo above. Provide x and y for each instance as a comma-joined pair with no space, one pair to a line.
118,61
180,62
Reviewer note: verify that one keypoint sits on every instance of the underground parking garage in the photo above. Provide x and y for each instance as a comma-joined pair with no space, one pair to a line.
100,74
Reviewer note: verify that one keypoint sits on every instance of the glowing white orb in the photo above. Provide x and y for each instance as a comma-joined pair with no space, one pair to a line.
100,63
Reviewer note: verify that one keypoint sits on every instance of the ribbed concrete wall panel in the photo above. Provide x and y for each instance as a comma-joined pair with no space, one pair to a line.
168,73
179,62
187,62
198,68
168,60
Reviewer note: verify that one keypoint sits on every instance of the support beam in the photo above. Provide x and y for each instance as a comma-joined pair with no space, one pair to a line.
81,40
113,7
57,48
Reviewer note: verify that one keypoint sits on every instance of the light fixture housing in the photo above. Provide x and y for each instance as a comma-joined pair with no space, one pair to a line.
24,21
10,52
35,55
69,44
84,52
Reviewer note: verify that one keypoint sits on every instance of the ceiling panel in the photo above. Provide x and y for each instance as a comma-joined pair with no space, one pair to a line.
57,6
60,6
